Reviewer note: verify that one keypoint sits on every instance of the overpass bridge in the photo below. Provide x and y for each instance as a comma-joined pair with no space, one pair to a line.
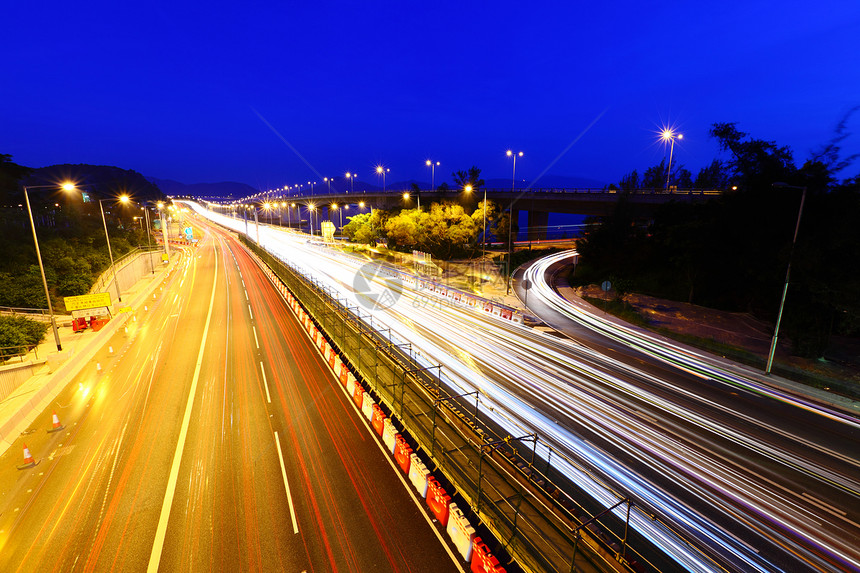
538,203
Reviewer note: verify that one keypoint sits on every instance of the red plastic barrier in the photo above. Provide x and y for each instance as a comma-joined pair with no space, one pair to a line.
482,560
438,500
378,419
332,356
488,307
344,373
402,453
358,395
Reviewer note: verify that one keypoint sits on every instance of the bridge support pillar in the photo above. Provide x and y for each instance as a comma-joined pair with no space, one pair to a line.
537,225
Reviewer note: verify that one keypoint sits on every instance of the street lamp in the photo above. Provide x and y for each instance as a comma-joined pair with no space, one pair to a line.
380,170
312,183
432,167
340,212
351,177
164,230
468,189
328,180
671,136
311,209
510,153
787,273
65,187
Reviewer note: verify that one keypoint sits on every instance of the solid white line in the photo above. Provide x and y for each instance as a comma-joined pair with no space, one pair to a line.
265,383
286,484
161,531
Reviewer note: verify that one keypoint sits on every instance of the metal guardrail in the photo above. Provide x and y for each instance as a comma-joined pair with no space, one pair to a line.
544,521
15,311
9,352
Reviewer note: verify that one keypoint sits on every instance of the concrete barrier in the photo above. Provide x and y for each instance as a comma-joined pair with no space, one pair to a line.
418,473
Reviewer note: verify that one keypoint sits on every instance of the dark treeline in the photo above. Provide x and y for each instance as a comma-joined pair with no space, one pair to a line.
71,235
731,253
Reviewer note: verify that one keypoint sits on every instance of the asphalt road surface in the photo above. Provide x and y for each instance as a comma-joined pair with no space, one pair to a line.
214,438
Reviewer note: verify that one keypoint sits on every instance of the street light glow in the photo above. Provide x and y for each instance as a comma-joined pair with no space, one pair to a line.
124,199
68,186
468,188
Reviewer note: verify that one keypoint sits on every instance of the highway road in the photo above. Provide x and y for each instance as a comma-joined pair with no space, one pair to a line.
758,482
214,438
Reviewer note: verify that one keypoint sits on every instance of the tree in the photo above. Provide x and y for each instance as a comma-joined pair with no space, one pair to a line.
755,163
714,176
470,177
630,181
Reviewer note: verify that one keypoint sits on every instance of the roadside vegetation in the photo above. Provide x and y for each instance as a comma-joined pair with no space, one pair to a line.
731,253
18,334
70,231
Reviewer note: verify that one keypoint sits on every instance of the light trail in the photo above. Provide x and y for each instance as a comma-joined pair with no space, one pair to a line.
533,382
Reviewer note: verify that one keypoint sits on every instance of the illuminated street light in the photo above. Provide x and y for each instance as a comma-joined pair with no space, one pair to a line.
328,180
468,189
670,136
65,187
510,153
380,170
432,167
351,177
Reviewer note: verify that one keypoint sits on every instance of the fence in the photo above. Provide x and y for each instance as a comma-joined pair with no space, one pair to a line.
126,271
540,517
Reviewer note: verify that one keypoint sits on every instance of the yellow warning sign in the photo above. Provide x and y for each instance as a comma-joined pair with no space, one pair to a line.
84,301
125,309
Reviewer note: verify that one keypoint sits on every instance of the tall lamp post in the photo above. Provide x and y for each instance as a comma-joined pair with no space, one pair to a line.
510,153
123,199
432,167
164,230
787,274
671,136
311,209
65,187
380,170
351,177
328,180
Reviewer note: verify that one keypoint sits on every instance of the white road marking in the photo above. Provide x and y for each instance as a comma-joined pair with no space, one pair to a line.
161,531
251,313
257,342
265,383
286,484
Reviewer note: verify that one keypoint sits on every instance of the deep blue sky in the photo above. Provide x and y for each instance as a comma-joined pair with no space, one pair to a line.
170,88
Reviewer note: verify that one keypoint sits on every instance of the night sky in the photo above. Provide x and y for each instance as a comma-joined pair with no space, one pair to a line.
177,90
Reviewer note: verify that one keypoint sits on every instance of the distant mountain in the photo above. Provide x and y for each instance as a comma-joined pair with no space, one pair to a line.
99,180
220,190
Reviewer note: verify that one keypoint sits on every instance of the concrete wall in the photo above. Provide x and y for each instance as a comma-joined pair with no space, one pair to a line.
130,272
13,375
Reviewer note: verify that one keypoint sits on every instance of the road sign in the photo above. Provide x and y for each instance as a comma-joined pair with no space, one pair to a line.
85,301
605,286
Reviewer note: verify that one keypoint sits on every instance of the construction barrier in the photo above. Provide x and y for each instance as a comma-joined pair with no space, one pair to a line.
344,374
389,435
418,473
402,451
460,532
367,405
332,357
350,385
438,500
358,395
378,419
482,560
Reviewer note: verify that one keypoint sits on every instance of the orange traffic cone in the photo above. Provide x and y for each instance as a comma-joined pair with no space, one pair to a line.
29,462
57,425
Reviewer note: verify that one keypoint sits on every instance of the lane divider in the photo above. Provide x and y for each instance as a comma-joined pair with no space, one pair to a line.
286,484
